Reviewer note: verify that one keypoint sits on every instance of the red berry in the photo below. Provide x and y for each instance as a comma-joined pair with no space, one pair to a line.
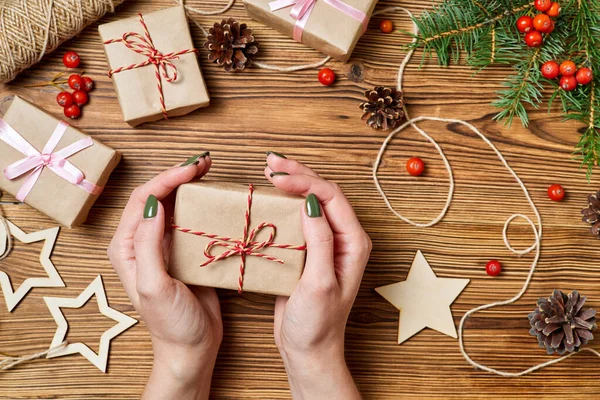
554,10
386,26
71,59
80,97
326,76
568,68
73,112
568,83
493,268
552,26
415,166
584,75
88,84
550,70
75,82
556,192
525,24
534,39
542,23
64,99
543,5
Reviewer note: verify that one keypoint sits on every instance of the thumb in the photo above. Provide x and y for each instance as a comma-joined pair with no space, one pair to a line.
151,274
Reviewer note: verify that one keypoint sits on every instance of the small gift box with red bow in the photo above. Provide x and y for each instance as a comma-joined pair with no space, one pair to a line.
238,237
50,165
331,26
154,66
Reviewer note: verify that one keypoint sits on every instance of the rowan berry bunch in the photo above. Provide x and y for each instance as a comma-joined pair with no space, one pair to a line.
570,75
542,24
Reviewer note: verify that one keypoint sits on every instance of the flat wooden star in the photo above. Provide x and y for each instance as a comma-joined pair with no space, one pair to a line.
12,298
56,303
423,300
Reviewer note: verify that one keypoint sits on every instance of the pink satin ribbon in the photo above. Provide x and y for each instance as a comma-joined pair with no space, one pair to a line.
35,162
302,9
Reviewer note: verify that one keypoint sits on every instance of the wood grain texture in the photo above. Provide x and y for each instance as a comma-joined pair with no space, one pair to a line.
293,114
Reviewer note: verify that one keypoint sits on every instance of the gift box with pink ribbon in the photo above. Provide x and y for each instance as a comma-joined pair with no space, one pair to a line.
50,165
330,26
254,243
154,66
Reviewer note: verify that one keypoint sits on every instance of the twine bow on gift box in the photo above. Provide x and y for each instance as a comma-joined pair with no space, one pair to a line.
303,8
162,62
244,246
35,161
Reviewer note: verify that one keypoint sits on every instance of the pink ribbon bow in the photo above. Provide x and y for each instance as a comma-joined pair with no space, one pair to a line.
35,161
302,9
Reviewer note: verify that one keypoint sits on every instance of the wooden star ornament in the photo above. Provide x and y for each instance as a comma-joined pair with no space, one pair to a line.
423,300
56,303
13,297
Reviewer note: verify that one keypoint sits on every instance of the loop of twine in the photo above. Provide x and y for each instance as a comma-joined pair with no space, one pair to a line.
11,362
537,229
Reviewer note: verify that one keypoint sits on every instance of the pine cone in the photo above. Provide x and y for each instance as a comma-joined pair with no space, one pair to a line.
591,214
383,110
231,45
561,324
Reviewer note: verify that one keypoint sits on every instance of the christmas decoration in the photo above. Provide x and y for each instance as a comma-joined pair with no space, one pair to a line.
423,300
96,288
80,97
386,26
326,76
561,324
556,192
73,111
383,108
64,99
71,59
493,268
415,166
485,32
591,214
231,45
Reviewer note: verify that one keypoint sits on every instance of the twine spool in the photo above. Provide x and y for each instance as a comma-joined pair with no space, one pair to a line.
29,29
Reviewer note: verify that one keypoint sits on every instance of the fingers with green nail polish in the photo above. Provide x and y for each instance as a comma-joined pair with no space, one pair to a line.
275,154
195,159
313,208
278,174
151,208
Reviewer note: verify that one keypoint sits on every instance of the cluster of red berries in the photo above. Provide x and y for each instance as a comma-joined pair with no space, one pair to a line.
570,75
542,24
81,85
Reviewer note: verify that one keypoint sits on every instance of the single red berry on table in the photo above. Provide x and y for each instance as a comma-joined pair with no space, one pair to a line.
386,26
550,70
542,23
326,76
525,24
72,112
88,84
554,10
543,5
80,97
71,59
64,99
75,82
568,68
584,75
556,192
534,39
415,166
568,83
493,268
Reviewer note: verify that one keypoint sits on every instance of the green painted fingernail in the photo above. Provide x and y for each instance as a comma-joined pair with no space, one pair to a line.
151,208
278,174
195,159
313,208
275,153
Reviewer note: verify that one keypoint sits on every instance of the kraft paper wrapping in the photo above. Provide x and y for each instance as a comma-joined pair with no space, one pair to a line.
62,201
328,30
219,208
137,88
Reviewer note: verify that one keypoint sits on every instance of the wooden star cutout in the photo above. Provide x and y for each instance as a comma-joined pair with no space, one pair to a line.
12,298
56,303
423,300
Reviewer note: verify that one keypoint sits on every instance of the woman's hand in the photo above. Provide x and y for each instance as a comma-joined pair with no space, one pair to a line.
310,325
184,323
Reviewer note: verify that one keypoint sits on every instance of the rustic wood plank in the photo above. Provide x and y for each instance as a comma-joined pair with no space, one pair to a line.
292,113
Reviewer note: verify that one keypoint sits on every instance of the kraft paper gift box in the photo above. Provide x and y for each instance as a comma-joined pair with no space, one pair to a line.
219,209
138,88
84,163
331,26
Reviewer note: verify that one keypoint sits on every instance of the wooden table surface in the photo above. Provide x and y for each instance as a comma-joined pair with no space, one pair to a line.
256,111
